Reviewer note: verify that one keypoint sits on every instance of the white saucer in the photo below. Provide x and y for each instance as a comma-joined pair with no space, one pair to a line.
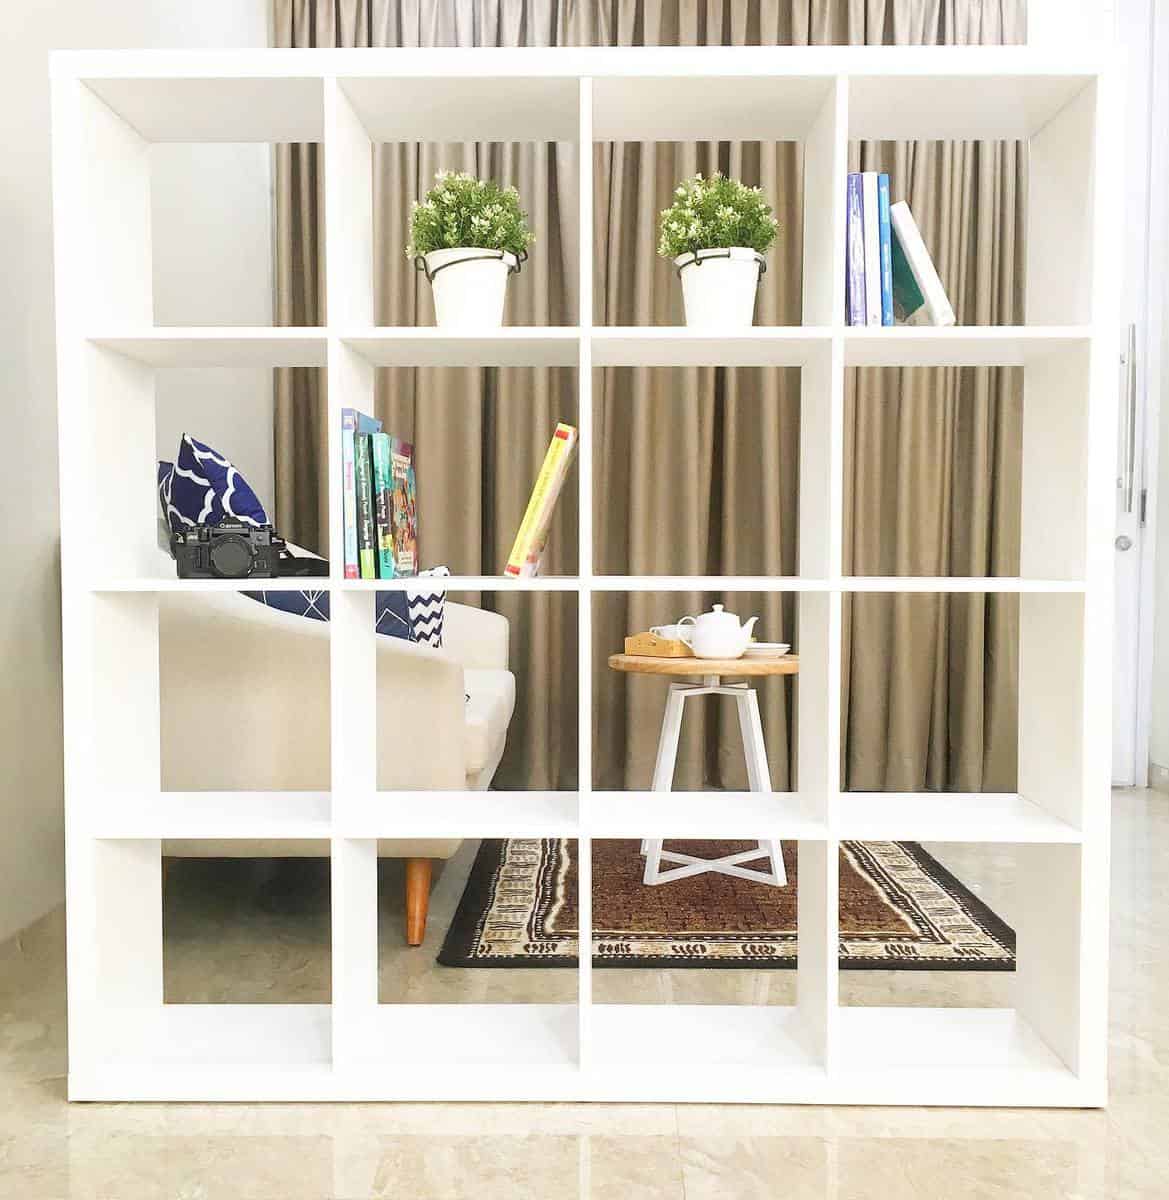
767,650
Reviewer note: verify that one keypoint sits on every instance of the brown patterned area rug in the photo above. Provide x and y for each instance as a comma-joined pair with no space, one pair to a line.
900,909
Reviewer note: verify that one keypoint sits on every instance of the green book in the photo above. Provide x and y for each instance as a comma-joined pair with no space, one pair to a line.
366,528
907,296
383,505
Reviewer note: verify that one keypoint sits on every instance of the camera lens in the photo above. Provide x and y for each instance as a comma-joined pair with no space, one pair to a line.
231,557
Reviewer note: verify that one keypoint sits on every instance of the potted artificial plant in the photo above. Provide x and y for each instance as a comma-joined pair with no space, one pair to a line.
717,231
468,235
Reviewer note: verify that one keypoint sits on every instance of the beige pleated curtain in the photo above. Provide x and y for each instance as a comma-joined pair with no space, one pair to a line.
696,470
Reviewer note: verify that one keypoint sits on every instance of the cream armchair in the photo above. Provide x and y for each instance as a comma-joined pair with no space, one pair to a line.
254,683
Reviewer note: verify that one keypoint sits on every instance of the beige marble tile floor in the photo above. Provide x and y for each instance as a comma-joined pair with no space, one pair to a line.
50,1150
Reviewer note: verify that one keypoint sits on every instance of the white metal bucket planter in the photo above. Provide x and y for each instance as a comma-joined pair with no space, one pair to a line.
469,285
719,286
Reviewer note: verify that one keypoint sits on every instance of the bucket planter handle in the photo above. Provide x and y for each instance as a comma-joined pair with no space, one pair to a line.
513,268
698,257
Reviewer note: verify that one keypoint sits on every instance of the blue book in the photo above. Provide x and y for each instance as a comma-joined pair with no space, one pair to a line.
855,251
886,235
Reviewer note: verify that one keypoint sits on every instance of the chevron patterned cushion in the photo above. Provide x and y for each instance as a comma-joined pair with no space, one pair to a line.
426,610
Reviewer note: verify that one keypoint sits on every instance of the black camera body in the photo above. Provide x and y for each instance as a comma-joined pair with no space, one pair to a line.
229,550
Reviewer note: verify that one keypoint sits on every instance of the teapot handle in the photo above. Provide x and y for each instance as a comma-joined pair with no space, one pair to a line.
682,635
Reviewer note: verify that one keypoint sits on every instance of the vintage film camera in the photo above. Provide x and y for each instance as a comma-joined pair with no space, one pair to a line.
233,550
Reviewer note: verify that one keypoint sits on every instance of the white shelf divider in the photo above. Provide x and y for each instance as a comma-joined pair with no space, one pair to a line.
584,601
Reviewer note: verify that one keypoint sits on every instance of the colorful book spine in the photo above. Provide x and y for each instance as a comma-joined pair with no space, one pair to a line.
383,505
366,526
524,559
917,259
885,230
352,423
870,206
855,251
404,507
349,491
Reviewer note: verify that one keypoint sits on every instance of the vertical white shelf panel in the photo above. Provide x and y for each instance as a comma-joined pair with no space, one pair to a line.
584,599
124,1043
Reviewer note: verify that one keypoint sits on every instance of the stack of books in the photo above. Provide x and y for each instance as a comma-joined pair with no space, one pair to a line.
379,500
528,548
889,275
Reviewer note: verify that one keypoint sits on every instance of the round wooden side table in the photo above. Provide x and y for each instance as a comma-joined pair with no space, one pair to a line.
714,673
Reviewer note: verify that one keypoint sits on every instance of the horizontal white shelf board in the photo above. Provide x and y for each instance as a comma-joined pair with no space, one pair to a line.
667,345
674,109
454,108
705,62
218,107
164,583
707,583
432,814
599,583
942,1040
472,1035
697,1037
682,346
957,105
729,815
945,817
847,583
218,815
511,346
959,346
213,1037
233,346
956,583
643,93
460,583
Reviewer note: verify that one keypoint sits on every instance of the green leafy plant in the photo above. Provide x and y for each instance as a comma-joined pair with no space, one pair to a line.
461,210
713,213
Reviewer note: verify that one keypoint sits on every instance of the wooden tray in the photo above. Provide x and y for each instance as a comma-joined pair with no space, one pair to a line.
650,645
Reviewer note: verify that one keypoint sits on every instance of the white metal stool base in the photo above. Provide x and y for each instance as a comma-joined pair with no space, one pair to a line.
758,775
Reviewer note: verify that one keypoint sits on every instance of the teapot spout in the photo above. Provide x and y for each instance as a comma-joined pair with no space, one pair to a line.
748,625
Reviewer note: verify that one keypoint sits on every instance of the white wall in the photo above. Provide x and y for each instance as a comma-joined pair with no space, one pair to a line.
207,270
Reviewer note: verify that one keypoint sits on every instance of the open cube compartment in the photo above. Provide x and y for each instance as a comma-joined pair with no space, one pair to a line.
807,111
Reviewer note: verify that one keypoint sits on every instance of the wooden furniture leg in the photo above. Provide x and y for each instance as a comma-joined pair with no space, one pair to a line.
417,898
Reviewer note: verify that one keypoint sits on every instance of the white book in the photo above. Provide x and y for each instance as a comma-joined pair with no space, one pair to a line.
905,230
872,219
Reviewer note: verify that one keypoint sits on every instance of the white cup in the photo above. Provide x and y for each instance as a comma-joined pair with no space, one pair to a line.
675,632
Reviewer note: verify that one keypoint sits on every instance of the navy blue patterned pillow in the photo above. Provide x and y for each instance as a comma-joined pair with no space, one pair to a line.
312,604
392,616
166,472
205,488
414,616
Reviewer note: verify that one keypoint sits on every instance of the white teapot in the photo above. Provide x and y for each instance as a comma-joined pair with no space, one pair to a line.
718,634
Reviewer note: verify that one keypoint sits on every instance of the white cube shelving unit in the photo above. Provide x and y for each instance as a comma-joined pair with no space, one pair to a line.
124,1042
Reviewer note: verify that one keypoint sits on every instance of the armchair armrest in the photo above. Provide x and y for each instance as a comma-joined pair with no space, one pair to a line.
475,638
420,718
